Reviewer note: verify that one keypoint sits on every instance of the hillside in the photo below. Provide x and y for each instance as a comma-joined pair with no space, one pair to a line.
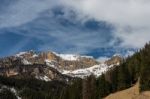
127,74
130,93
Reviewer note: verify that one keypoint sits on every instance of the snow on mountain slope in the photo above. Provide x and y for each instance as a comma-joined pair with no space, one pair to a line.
71,57
19,54
80,72
96,70
25,62
51,63
35,55
13,90
44,78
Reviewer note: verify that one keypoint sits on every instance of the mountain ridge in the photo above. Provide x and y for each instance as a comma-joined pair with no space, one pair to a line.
52,66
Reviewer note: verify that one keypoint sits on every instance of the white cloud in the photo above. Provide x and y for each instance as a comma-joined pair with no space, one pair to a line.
103,59
131,18
123,14
135,38
23,11
129,53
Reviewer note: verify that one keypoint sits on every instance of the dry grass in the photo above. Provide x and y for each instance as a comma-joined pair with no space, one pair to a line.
131,93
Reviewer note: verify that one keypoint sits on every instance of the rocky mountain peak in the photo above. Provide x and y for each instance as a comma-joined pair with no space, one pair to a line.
116,59
50,65
63,61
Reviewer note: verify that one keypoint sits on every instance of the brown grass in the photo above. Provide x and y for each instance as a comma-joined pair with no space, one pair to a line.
131,93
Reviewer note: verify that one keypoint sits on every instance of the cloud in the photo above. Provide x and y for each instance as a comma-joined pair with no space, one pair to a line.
61,30
79,25
102,59
123,14
23,11
66,38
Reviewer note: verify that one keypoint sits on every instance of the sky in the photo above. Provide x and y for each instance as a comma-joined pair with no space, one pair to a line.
100,28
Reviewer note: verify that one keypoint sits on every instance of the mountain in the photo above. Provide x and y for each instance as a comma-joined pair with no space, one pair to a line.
49,75
53,66
61,61
119,80
36,75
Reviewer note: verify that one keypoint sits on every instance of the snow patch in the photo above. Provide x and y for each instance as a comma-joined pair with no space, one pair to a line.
25,62
15,92
71,57
50,63
19,54
35,55
102,59
45,78
96,70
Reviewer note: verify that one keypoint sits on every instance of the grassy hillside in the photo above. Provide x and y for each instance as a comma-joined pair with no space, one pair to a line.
130,93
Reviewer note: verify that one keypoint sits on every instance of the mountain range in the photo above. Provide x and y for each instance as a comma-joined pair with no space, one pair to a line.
53,66
49,75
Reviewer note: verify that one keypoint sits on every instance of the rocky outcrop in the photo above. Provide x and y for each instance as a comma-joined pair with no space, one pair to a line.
81,62
38,71
49,65
114,60
39,65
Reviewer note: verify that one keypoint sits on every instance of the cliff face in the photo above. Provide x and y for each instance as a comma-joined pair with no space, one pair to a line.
41,65
52,66
79,62
38,71
114,60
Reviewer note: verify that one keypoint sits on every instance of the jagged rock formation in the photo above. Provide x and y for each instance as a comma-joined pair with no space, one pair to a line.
39,71
79,62
114,60
52,66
